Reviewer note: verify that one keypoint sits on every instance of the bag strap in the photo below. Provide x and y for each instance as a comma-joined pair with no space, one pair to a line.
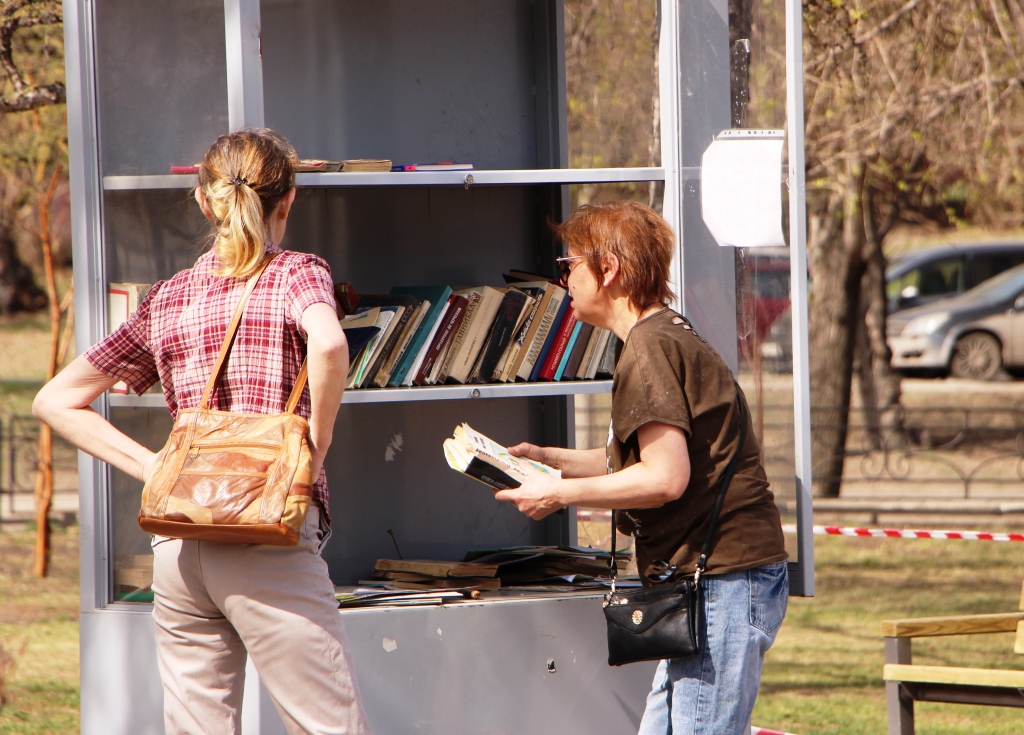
726,480
229,337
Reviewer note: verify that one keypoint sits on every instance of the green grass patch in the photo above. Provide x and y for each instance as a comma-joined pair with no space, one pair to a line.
824,673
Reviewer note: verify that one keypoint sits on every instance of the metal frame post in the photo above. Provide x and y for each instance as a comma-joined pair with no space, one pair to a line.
89,280
801,583
244,55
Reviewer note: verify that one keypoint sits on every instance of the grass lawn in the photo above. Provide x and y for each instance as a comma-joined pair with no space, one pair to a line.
39,620
822,676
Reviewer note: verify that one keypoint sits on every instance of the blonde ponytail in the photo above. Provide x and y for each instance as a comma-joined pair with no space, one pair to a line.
243,177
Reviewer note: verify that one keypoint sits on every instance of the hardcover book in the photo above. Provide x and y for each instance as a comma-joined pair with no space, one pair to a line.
438,298
401,347
473,301
501,334
483,318
579,349
406,307
533,343
559,342
567,354
449,325
550,336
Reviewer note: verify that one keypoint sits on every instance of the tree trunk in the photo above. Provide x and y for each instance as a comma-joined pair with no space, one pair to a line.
887,413
18,288
834,262
44,474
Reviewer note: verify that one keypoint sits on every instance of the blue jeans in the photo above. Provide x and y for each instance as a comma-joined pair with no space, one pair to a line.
713,693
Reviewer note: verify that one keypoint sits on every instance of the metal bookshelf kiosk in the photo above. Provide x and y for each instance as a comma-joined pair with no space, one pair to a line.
153,84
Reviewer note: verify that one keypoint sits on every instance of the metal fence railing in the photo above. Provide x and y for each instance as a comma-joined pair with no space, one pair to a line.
19,442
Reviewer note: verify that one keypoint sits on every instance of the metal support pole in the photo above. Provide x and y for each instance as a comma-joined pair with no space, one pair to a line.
243,49
801,583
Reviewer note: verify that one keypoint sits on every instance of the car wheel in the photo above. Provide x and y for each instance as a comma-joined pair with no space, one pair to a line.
977,356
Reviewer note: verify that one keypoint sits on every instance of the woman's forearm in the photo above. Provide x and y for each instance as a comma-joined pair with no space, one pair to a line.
578,462
63,404
327,364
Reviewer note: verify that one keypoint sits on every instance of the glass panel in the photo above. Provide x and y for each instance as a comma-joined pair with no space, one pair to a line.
161,79
612,87
131,552
757,38
414,82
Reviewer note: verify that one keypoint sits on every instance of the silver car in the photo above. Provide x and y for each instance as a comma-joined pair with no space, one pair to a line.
973,335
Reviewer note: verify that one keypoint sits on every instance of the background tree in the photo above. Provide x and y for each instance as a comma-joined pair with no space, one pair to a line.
33,157
913,115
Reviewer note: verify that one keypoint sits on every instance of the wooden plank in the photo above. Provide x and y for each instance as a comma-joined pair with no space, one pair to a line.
133,577
954,675
1018,641
952,625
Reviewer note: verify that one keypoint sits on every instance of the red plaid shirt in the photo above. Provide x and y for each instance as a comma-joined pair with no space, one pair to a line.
177,332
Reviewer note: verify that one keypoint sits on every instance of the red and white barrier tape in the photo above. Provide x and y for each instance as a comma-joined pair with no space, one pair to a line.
766,731
908,533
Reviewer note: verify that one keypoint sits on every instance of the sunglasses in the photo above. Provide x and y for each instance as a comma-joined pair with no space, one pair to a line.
565,268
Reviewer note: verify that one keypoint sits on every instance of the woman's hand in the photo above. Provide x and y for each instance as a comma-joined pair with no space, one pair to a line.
148,465
537,454
538,496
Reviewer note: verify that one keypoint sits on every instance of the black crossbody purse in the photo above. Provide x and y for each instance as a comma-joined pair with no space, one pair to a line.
660,622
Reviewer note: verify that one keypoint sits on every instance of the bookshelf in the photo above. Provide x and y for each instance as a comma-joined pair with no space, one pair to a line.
151,85
419,178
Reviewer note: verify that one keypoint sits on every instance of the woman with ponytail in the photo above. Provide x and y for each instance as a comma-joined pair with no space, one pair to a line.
216,603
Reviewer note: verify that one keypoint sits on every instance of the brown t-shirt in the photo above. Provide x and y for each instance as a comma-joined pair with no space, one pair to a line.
668,374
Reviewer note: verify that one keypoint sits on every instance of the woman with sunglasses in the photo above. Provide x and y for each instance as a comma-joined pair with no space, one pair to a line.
675,426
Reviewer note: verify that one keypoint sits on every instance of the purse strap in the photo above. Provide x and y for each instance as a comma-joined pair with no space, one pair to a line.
229,338
726,480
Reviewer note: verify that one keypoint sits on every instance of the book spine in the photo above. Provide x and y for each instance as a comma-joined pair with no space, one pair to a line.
490,475
385,350
558,345
549,338
469,353
524,337
509,352
567,353
402,347
451,320
539,337
501,333
606,367
426,329
572,368
460,336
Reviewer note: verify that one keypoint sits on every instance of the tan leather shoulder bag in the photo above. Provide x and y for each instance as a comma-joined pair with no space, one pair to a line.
232,477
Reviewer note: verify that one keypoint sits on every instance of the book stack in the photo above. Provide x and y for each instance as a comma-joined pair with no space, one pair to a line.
414,574
434,335
532,566
491,569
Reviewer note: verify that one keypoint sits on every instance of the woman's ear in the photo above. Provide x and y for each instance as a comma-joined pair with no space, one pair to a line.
201,200
284,206
609,269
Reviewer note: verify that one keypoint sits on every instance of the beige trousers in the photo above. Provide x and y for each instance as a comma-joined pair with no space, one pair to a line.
214,602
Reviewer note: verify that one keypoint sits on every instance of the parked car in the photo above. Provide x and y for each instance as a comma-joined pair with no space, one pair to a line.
766,326
973,335
923,276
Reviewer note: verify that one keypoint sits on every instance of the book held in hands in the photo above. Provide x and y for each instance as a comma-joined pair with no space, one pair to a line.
473,454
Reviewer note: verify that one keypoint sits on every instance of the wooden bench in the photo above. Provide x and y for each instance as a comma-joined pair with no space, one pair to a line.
906,683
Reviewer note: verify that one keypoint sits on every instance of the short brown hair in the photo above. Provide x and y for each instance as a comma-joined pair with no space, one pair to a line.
638,236
244,176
